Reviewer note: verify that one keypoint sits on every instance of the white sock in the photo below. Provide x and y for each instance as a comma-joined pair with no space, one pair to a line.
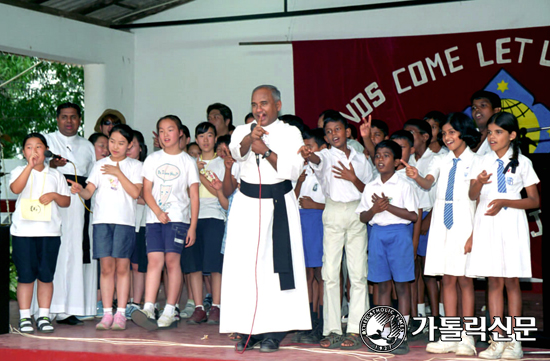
25,313
177,305
215,305
149,307
108,311
190,301
121,310
44,312
407,319
421,309
168,310
201,306
441,310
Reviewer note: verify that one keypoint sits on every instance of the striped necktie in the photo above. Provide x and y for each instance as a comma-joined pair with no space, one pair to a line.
501,181
448,210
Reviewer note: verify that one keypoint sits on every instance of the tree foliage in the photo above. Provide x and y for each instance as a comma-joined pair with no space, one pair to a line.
28,103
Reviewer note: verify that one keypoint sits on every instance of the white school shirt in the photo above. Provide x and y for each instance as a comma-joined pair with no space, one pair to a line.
462,176
341,190
484,148
525,175
113,205
209,204
311,187
399,191
76,149
171,176
52,181
423,164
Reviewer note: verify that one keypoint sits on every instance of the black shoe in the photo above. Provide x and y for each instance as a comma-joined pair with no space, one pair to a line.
240,345
269,345
71,320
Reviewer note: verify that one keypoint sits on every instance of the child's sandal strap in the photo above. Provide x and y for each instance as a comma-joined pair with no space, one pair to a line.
44,324
25,325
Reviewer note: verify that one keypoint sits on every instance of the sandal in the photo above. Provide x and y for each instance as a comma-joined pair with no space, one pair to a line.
235,336
25,325
44,324
354,338
334,340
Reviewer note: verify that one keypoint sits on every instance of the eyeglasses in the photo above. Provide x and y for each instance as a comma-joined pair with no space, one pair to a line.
108,122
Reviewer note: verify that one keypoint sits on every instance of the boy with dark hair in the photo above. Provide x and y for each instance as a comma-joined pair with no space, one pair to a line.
389,204
221,116
422,158
484,105
343,173
352,141
312,204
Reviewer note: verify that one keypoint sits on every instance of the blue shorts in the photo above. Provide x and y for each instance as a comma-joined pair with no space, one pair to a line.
423,241
391,253
35,258
166,238
114,240
139,256
312,234
205,255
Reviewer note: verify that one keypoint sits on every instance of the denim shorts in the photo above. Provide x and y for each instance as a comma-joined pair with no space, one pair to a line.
114,240
35,258
169,237
205,255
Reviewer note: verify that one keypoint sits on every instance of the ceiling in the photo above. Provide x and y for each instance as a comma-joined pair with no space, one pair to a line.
99,12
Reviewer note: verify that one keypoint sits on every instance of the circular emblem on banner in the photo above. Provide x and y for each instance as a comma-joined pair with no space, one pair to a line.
383,329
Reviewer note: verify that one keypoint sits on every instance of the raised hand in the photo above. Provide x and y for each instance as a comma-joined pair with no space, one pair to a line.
57,162
344,173
216,183
365,127
483,177
228,161
304,151
257,133
75,187
410,171
302,177
200,164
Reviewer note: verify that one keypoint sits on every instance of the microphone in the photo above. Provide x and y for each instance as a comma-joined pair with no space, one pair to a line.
252,126
49,154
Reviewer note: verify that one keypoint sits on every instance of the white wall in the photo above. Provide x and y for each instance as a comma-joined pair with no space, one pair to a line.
183,69
107,55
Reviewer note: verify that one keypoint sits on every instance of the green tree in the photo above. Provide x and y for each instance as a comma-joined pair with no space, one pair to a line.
28,103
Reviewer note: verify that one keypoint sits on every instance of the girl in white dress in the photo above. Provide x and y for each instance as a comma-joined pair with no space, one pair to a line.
450,239
501,245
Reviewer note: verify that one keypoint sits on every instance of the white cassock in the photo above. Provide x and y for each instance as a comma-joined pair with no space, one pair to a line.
74,283
277,310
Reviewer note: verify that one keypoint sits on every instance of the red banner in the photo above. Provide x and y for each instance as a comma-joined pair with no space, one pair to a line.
400,78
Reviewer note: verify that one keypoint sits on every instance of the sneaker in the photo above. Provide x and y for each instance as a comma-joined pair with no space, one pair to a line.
119,322
166,321
207,302
512,351
199,316
403,349
214,316
188,310
86,318
441,346
466,347
131,307
105,323
99,310
494,351
145,319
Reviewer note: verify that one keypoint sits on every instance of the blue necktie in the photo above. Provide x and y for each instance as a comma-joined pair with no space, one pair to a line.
501,181
448,211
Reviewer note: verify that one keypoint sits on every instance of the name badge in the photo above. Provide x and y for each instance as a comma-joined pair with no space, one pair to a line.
33,210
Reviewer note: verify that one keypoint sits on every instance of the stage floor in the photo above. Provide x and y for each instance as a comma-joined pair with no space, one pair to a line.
186,342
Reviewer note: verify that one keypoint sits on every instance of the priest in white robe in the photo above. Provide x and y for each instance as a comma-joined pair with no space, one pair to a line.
264,290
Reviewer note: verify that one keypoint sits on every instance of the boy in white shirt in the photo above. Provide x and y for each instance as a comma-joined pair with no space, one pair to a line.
390,205
343,173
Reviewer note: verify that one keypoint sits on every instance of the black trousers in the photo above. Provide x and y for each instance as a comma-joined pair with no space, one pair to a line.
264,336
